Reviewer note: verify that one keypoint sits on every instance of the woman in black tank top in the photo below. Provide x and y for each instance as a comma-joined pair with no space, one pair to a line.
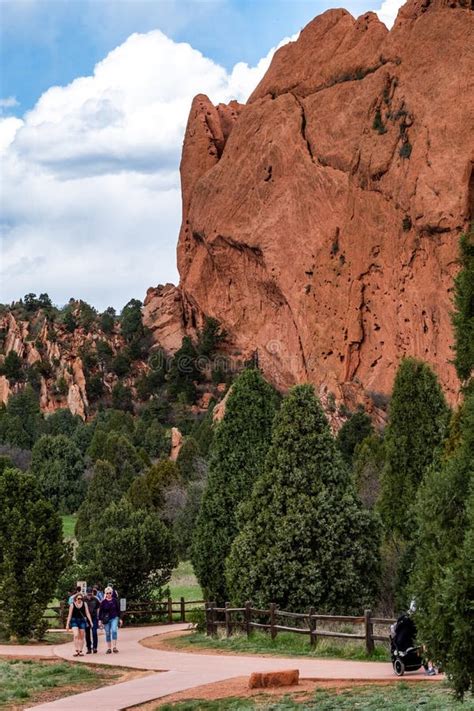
77,621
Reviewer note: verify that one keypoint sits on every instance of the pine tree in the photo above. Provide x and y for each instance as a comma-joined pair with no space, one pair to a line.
305,539
443,579
463,317
418,419
32,553
238,451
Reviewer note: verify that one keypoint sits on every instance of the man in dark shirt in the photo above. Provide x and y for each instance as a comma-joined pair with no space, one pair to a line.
93,603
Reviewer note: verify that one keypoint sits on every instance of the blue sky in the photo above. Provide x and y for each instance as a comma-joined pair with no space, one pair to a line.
94,97
47,42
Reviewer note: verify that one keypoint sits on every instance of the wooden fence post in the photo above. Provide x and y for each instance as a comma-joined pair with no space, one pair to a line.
213,619
62,613
170,610
312,627
208,618
182,608
248,618
228,628
273,631
369,632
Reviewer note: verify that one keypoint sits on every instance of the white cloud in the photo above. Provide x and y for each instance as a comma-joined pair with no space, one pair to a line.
90,186
388,11
8,103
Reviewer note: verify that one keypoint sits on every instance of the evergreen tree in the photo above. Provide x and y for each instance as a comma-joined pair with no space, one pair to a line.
417,424
203,432
20,421
120,452
463,317
369,460
240,444
189,460
443,579
104,487
59,468
149,491
305,539
183,372
122,397
32,553
131,320
156,442
131,548
185,521
11,368
352,432
62,422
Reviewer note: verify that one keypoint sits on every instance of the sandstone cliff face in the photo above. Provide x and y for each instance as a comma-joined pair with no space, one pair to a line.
321,220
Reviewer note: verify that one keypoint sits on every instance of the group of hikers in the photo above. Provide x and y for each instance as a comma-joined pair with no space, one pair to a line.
90,611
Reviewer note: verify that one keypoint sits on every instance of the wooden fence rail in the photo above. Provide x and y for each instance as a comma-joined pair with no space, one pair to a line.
164,610
217,617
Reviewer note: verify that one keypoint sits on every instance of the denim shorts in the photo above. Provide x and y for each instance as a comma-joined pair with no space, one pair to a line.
81,624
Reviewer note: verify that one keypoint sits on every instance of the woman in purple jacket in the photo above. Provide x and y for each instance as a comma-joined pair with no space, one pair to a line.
109,618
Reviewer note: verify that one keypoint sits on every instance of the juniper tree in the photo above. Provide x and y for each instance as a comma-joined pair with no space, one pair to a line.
305,538
418,419
443,579
353,431
463,317
237,454
131,548
32,553
59,468
105,486
368,462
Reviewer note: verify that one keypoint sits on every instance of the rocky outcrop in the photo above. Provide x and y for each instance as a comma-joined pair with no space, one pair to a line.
321,220
4,390
52,355
164,314
177,441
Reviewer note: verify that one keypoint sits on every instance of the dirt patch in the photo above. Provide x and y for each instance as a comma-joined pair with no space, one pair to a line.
239,687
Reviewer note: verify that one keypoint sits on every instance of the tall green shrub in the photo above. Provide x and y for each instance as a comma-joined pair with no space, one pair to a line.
417,424
32,553
238,451
305,538
463,317
443,579
105,486
353,431
131,548
59,468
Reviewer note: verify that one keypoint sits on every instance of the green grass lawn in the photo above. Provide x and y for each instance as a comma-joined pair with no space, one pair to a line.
69,523
184,584
399,697
25,681
285,644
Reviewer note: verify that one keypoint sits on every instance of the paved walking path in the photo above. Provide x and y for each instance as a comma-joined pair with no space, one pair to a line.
183,670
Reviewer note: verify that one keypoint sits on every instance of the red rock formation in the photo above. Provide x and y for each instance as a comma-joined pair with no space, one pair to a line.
321,220
177,441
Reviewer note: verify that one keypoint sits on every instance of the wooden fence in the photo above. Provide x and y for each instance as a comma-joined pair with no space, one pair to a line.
310,623
148,610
